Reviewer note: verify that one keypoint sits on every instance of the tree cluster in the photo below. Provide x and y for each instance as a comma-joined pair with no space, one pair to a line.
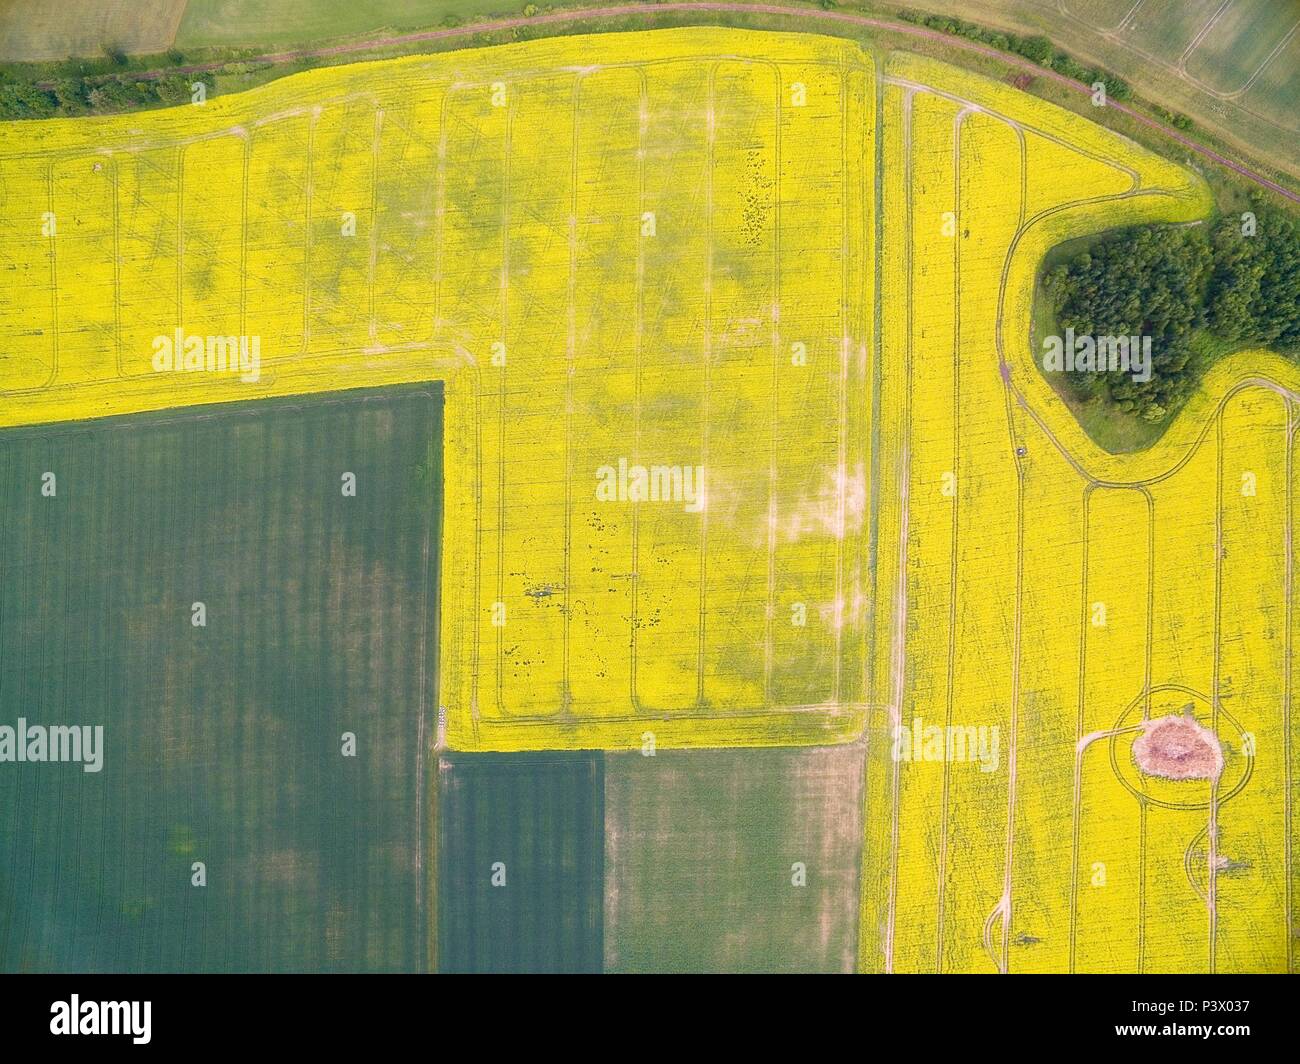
1236,282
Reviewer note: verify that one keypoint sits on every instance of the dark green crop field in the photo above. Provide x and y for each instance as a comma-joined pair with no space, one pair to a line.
223,743
521,862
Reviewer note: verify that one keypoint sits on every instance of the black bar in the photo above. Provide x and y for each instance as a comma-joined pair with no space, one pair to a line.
863,1015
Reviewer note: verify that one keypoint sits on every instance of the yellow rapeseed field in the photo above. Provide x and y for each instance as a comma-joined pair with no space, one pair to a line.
1046,598
745,444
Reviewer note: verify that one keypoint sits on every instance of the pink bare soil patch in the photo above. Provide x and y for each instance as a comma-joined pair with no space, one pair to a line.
1178,748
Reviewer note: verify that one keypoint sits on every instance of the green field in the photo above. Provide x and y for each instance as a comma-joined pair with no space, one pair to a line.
282,22
39,29
536,822
700,849
1106,15
624,863
222,744
1154,44
1277,86
1164,27
1240,42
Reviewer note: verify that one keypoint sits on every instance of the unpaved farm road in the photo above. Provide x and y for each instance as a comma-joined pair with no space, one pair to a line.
623,10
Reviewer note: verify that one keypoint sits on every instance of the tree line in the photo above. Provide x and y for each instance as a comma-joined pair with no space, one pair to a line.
106,84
